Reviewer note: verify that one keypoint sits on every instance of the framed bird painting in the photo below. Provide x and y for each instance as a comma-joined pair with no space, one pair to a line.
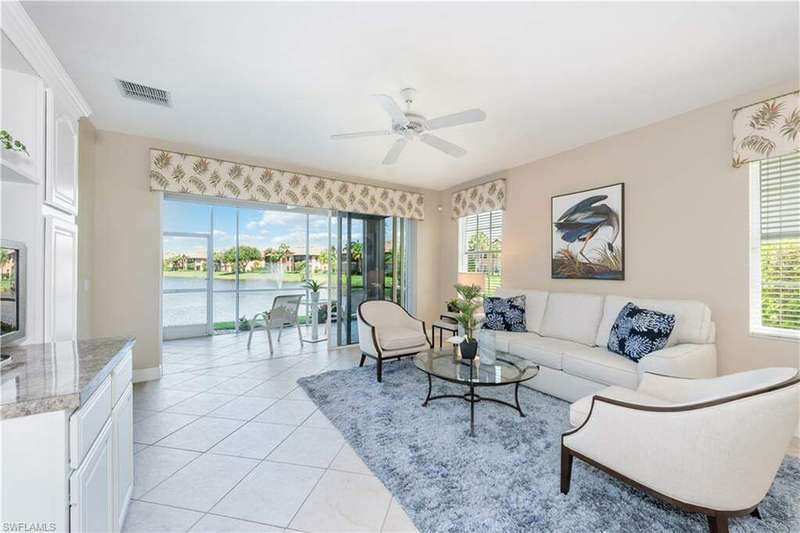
588,240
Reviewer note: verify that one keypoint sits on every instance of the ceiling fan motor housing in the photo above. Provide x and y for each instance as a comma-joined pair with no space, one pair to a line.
416,124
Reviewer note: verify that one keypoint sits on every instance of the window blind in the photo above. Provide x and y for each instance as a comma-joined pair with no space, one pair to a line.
779,243
481,245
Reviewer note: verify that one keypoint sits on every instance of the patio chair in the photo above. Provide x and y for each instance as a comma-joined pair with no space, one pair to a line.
283,313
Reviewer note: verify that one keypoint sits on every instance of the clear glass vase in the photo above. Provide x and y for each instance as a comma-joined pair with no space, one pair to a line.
487,346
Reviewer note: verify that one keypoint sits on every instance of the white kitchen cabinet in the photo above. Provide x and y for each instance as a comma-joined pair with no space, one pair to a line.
23,104
61,176
61,279
92,485
122,422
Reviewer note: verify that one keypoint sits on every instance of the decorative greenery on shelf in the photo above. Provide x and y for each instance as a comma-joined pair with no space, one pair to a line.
467,304
9,143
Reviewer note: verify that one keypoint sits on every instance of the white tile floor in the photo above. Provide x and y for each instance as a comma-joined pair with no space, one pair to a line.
227,441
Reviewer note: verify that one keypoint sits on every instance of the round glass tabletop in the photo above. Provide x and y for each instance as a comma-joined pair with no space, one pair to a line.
505,369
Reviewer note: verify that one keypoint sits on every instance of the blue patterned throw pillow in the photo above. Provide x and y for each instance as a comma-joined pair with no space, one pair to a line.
638,332
505,314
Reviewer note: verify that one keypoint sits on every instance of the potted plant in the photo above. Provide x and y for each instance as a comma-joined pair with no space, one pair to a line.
452,305
467,304
314,287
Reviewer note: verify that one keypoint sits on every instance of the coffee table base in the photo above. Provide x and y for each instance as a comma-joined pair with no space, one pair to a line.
473,398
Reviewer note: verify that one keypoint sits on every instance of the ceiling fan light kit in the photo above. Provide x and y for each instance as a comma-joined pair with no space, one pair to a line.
410,126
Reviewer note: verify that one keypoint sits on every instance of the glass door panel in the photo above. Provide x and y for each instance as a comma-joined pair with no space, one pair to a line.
224,282
367,262
185,283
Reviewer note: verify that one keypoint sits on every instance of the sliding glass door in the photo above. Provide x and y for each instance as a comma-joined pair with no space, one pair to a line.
370,265
224,262
256,253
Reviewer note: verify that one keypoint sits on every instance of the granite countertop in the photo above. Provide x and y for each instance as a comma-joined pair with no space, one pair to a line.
55,376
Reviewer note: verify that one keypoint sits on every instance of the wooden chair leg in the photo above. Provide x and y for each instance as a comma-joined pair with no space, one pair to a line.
363,358
718,523
566,469
380,370
755,513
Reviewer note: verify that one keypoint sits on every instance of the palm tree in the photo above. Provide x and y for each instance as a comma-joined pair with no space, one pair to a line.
283,252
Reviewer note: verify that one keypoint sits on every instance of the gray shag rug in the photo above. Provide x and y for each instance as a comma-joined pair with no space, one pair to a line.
506,478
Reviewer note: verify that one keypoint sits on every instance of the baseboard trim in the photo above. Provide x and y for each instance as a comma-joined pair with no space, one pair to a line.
146,374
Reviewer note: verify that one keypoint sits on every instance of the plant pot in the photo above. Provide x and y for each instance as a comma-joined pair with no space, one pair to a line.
469,349
315,297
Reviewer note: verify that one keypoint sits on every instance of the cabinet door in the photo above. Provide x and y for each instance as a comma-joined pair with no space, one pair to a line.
23,103
61,177
91,488
122,423
61,279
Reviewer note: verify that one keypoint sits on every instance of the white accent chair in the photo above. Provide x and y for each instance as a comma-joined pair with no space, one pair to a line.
387,331
711,446
283,313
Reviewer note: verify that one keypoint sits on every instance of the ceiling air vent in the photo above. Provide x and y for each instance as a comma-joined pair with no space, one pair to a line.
144,93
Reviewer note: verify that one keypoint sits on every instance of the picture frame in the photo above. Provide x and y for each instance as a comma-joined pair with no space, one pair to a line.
587,234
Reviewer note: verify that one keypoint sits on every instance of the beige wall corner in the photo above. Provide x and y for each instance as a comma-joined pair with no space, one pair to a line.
686,223
126,246
86,227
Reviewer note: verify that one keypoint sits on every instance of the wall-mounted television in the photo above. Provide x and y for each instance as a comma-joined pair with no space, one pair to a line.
12,290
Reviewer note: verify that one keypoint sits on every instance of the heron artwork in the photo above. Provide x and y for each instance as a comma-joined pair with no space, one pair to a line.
587,234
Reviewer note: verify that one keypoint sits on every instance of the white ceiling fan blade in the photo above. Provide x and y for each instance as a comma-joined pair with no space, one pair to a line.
440,144
456,119
357,134
394,151
391,107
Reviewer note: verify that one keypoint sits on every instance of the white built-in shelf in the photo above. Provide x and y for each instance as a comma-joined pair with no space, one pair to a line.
11,172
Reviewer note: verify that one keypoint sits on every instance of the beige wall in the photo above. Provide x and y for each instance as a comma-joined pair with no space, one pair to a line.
127,245
686,223
85,220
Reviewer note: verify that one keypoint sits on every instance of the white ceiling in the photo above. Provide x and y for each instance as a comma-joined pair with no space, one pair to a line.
274,80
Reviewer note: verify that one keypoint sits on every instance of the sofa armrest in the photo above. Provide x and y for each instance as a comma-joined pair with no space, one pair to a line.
697,454
682,360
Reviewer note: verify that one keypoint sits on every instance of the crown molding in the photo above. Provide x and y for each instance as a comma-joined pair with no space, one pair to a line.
20,29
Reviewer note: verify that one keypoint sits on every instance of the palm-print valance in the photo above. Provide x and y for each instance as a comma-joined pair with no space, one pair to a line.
770,128
489,196
184,173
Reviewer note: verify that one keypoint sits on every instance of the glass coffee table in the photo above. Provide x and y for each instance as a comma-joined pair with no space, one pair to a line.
507,369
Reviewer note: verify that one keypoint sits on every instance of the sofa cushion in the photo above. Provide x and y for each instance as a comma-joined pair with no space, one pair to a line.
692,318
400,338
502,339
544,351
579,410
637,332
573,317
504,314
535,303
600,365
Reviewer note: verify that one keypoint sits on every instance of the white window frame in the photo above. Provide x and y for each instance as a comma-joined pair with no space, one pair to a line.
462,243
757,329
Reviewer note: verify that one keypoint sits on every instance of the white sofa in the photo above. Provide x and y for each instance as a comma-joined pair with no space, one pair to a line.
568,332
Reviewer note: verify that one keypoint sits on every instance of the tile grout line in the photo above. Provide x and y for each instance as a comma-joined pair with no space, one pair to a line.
300,360
201,454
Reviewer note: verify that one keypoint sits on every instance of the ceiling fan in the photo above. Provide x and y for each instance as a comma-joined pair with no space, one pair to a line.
410,126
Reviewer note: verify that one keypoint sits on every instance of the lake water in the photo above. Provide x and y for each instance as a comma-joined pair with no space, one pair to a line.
190,308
